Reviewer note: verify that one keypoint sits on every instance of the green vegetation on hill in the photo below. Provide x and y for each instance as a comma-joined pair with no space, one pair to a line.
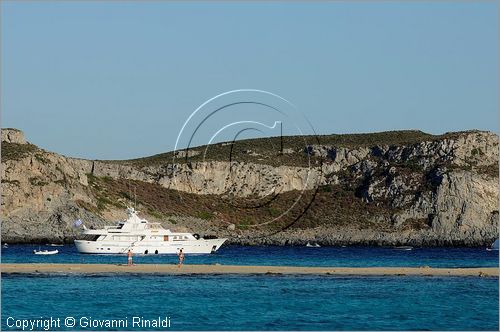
331,205
267,150
382,190
15,151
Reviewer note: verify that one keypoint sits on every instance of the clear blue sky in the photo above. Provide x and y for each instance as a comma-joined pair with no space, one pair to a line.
117,80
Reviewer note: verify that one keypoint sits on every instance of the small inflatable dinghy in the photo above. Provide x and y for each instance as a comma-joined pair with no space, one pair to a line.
45,252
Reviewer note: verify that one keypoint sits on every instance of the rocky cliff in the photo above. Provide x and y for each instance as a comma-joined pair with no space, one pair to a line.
391,188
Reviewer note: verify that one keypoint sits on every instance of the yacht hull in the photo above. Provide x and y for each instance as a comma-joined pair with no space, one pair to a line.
200,246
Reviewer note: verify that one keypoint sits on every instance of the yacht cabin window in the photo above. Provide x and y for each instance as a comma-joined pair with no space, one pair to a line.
90,237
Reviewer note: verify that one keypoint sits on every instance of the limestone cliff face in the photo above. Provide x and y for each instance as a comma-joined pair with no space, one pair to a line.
437,191
39,191
12,135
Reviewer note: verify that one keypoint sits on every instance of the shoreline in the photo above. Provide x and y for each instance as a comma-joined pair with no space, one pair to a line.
171,269
245,243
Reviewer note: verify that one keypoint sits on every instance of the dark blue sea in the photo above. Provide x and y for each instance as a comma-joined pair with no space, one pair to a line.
258,302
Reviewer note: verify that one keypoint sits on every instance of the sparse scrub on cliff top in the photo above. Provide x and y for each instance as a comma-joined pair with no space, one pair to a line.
155,213
41,158
126,195
477,151
15,151
205,215
87,206
102,202
267,150
13,182
36,181
274,212
490,170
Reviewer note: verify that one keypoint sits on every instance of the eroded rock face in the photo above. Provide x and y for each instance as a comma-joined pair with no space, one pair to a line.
465,202
11,135
446,187
475,147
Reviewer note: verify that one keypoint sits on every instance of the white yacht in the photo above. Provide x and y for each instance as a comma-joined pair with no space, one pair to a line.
142,237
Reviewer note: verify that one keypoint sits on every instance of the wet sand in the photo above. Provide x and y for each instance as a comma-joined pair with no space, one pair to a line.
168,269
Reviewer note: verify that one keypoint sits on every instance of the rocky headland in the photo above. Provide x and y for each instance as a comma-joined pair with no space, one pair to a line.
390,188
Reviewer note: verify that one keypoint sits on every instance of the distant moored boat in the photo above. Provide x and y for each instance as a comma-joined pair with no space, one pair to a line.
404,248
494,246
45,252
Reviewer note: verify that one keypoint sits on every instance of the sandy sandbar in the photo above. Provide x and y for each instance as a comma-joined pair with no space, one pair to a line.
241,269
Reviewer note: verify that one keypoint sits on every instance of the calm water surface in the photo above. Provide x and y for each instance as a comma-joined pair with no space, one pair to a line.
273,255
250,302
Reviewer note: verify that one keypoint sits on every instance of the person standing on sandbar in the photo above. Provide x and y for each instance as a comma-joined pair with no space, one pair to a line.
129,255
181,257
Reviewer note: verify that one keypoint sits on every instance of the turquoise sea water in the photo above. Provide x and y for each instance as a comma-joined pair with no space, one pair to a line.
256,302
274,255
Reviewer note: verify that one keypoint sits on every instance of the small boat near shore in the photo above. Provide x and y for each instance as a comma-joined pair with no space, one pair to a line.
494,246
55,245
314,245
403,248
45,252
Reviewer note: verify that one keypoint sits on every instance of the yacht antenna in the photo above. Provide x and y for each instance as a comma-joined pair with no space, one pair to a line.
129,194
135,199
281,138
